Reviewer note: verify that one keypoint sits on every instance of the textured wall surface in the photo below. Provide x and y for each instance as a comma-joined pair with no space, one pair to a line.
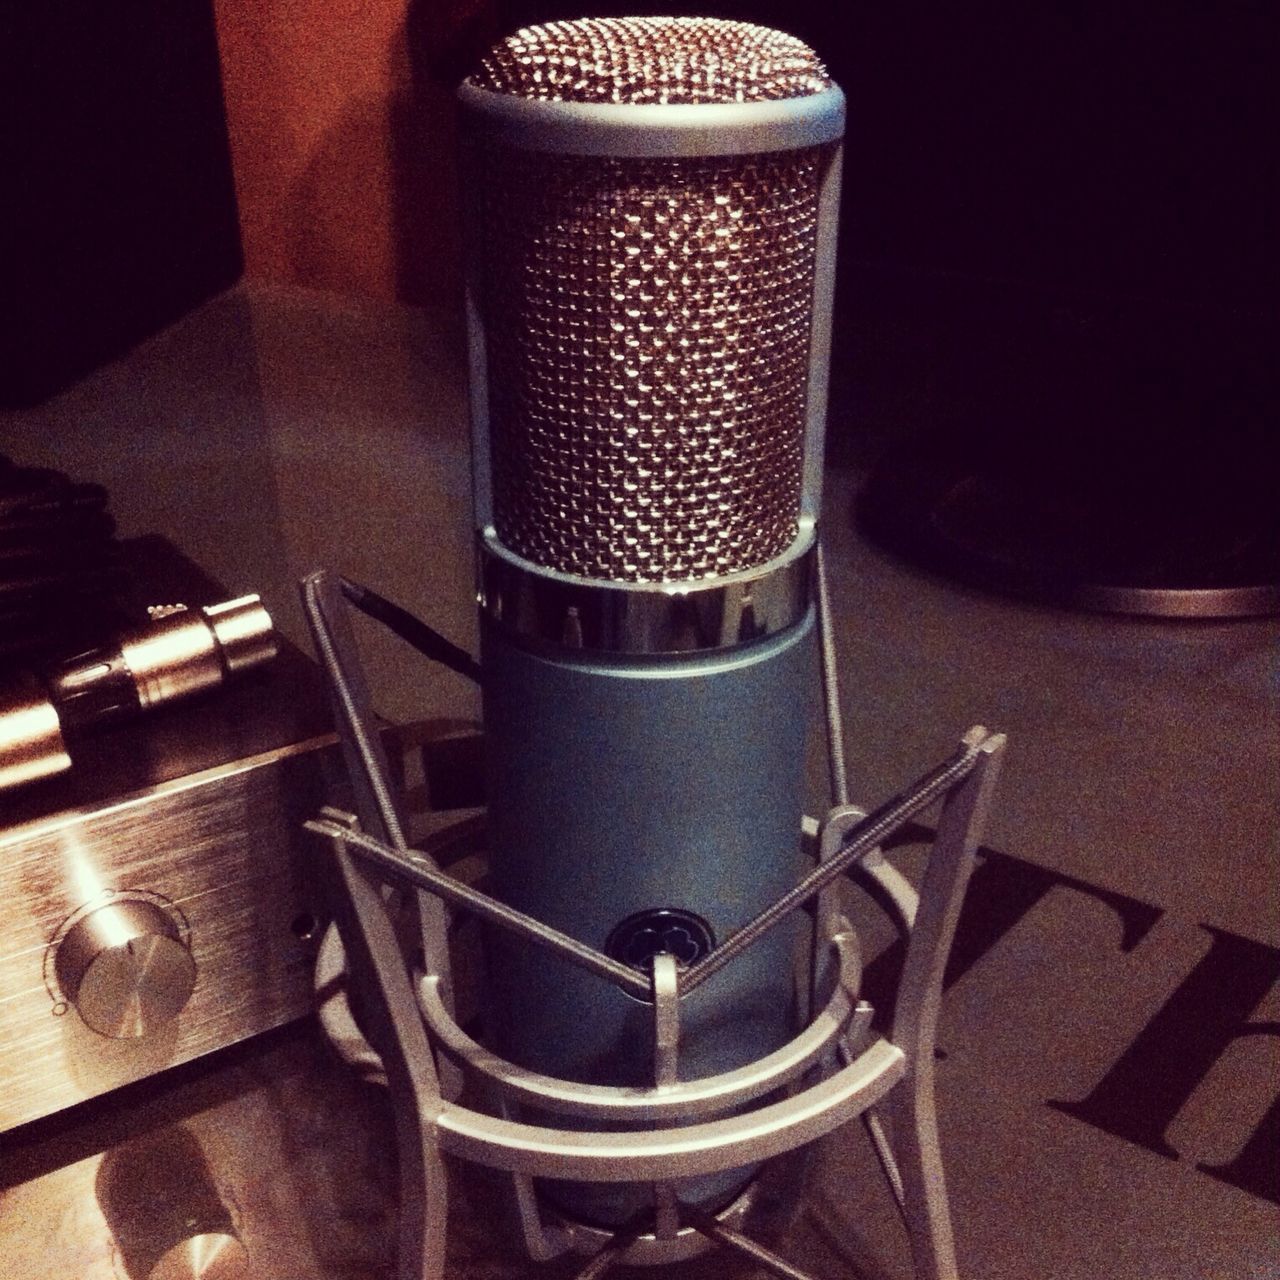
340,114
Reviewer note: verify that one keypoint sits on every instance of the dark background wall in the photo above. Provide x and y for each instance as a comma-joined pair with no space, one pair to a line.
1119,146
117,210
1059,173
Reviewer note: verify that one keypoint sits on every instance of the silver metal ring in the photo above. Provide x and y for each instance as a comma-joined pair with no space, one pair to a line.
842,1016
649,129
596,616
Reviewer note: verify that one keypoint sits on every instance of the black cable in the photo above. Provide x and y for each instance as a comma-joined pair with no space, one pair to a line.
411,630
62,571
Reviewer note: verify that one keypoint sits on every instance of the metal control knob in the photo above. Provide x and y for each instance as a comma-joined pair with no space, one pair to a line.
212,1255
126,969
167,1218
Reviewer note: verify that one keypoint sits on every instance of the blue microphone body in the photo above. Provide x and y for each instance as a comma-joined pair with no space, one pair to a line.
651,266
626,787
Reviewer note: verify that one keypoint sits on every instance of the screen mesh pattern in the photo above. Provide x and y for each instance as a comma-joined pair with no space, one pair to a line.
660,60
647,326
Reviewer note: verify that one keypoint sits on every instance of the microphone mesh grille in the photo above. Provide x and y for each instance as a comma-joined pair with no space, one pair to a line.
647,325
652,60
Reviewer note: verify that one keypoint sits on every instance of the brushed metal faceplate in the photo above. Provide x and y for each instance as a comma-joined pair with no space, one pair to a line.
223,852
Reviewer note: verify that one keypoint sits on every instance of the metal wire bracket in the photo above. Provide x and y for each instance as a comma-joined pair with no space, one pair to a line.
688,1128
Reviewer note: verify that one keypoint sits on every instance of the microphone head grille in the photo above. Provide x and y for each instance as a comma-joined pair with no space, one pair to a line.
647,331
646,318
652,60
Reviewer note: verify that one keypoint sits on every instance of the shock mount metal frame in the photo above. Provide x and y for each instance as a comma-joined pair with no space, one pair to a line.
833,1070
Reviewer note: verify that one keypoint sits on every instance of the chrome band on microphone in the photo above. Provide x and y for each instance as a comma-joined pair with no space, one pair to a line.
538,604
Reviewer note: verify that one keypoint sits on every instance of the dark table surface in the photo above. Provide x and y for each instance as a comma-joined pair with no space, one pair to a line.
1135,829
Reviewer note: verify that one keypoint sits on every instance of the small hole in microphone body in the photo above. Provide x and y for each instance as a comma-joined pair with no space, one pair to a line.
304,926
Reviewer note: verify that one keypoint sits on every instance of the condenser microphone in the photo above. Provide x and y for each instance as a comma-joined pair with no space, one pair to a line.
652,220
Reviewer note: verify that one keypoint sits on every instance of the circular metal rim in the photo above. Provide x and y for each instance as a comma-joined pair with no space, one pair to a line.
700,1099
616,944
895,506
596,616
1259,601
640,129
709,1146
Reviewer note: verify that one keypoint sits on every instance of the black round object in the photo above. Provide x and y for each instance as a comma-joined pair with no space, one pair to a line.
666,930
1099,488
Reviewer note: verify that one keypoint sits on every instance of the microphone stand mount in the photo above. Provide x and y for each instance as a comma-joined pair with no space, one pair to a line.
833,1070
